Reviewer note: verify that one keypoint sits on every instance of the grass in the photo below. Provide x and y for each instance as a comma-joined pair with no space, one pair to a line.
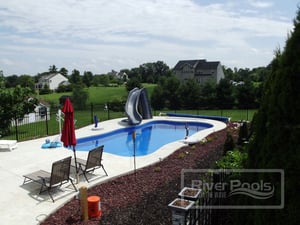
102,95
83,118
98,95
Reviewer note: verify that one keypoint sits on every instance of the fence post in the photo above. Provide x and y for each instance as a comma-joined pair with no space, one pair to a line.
47,128
16,128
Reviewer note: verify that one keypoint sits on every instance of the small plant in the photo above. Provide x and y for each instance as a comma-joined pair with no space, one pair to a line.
232,160
203,141
193,147
210,138
157,169
181,155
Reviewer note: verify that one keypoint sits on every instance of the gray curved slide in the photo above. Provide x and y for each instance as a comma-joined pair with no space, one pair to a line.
131,107
146,108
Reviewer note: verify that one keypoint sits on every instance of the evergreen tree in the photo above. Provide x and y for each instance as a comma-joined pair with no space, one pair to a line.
157,98
224,94
52,69
75,77
171,92
190,94
275,142
87,78
208,94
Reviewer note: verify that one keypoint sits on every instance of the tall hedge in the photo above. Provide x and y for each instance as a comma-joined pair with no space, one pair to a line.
276,137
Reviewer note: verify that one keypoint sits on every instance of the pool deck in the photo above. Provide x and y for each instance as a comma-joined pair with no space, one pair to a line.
21,204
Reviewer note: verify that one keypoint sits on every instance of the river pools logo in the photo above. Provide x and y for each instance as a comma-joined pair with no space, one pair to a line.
237,189
255,190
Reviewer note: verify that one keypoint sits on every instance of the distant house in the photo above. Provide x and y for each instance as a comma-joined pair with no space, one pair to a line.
52,80
40,113
122,76
199,70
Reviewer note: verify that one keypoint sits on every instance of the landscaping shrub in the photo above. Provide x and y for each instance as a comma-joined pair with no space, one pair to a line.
234,159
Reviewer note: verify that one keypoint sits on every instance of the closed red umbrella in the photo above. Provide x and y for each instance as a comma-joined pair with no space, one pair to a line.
68,132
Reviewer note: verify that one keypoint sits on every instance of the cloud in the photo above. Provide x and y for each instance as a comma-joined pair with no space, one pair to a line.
260,4
104,35
6,61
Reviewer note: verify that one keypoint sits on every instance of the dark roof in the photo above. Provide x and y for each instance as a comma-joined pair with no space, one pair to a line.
207,65
196,64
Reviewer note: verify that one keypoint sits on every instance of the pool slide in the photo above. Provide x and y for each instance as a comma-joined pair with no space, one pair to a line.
135,97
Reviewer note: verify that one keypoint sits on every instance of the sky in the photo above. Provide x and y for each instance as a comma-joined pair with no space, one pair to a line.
104,35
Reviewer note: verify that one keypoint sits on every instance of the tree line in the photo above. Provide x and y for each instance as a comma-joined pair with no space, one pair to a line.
240,88
228,93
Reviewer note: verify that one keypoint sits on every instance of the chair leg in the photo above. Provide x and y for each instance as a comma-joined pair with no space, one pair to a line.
84,174
48,190
42,188
104,170
73,184
25,180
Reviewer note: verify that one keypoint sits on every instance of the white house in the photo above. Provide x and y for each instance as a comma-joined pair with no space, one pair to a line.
41,113
52,80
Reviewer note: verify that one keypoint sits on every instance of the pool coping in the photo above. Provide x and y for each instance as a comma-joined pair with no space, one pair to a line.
20,204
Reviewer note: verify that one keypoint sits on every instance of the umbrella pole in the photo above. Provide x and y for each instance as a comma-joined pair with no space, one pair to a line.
76,169
134,151
134,159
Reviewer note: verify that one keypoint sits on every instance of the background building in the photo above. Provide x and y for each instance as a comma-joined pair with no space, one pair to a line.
199,70
52,80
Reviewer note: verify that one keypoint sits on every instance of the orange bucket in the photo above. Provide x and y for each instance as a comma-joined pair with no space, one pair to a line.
94,206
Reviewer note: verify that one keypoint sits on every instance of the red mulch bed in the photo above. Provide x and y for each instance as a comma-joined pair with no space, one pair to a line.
143,198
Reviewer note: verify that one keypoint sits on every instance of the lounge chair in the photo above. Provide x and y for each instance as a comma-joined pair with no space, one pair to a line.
93,162
60,174
8,144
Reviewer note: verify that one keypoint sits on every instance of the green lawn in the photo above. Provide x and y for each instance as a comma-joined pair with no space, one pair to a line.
99,96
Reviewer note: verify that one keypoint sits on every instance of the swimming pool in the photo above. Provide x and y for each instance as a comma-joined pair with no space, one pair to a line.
149,137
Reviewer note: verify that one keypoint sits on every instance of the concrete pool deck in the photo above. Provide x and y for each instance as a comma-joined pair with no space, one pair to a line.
21,204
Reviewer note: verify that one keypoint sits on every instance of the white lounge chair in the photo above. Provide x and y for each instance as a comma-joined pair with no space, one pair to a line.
8,144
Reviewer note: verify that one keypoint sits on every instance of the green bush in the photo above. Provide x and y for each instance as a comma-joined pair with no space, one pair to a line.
234,159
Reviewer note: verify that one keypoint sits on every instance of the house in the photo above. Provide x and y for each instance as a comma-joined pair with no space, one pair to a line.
52,80
199,70
40,113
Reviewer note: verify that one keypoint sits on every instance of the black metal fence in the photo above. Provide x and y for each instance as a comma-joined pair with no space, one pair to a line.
208,207
37,125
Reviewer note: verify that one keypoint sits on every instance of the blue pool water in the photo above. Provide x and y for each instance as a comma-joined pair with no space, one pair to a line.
149,137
